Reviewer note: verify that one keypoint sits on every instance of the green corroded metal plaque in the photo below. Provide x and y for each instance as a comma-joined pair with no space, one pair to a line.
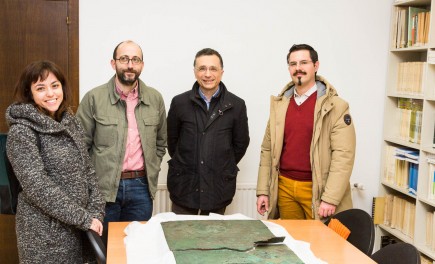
215,234
276,254
224,241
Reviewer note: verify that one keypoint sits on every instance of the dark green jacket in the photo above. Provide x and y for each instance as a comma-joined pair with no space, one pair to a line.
103,116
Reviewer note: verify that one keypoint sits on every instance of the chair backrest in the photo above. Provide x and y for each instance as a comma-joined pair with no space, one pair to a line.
362,229
97,245
399,253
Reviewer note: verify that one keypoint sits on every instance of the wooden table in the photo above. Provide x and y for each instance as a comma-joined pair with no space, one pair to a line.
325,243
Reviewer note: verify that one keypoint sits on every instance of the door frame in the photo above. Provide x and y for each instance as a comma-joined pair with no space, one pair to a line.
73,52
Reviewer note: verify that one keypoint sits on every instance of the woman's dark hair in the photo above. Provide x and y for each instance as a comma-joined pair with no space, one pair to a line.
39,70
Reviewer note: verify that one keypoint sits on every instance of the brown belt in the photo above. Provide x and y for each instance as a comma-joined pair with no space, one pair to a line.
133,174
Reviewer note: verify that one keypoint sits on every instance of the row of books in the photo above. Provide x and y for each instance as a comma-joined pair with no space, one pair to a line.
401,168
410,27
395,212
387,240
430,230
410,119
431,178
410,77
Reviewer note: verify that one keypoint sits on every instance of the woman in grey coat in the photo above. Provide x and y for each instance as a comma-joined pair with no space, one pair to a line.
60,195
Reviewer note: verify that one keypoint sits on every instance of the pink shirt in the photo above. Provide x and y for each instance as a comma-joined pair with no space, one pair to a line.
133,159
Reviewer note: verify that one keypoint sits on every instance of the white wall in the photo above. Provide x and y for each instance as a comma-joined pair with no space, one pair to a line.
253,37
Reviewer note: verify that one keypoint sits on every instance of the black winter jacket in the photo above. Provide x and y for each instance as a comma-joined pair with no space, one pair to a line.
205,147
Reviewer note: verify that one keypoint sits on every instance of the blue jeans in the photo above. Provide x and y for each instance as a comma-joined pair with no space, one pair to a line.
133,203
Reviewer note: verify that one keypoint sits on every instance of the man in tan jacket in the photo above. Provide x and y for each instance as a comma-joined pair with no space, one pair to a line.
308,149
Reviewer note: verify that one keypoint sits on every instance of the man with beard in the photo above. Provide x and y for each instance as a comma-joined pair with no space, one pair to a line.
125,132
308,149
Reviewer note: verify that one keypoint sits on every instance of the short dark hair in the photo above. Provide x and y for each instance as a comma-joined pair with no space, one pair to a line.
208,52
126,41
39,70
313,53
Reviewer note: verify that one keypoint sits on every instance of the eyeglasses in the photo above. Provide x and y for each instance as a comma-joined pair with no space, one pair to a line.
204,69
301,63
125,60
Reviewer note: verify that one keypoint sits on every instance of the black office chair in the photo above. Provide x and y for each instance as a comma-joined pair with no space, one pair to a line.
399,253
362,229
97,245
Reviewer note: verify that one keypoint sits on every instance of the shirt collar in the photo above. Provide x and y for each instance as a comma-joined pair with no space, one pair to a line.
133,94
307,93
205,98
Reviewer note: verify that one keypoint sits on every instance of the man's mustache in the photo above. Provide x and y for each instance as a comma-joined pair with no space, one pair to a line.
130,71
301,72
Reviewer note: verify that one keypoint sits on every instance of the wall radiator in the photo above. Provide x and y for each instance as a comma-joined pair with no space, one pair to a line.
244,201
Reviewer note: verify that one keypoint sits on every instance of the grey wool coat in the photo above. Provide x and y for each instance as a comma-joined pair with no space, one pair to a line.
60,194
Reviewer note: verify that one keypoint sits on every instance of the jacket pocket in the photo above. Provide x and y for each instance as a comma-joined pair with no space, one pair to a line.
179,181
151,124
231,174
229,181
106,133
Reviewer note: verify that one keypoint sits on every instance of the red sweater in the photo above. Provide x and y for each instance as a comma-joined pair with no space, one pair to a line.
295,157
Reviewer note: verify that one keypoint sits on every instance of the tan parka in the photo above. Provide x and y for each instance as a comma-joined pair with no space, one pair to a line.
332,150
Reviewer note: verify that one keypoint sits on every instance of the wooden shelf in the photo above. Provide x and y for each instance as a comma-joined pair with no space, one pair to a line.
426,201
399,189
397,233
395,134
425,250
412,2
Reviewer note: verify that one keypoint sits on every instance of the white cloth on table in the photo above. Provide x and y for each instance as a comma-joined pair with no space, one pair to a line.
146,243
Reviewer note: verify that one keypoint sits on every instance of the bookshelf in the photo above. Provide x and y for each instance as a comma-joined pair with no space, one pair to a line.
409,125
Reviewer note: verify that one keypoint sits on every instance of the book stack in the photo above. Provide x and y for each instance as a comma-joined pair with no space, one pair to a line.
399,214
430,229
390,164
431,178
410,78
410,27
410,115
378,209
410,169
401,168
